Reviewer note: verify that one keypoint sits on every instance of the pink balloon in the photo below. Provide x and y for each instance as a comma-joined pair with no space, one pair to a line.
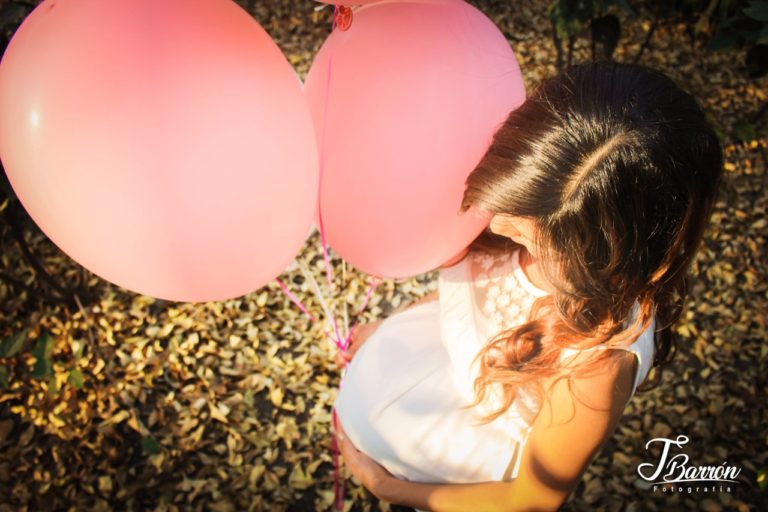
365,2
347,2
165,145
415,93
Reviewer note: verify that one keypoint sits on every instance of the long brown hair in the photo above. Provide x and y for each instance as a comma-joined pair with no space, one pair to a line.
619,170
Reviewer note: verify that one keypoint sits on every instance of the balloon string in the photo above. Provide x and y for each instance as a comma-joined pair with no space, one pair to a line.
295,299
330,311
338,490
326,257
319,295
344,297
338,483
298,303
328,269
375,280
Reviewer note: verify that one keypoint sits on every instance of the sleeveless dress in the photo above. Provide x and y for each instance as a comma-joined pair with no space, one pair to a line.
401,396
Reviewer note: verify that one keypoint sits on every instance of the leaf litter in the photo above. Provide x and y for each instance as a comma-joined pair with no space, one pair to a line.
135,403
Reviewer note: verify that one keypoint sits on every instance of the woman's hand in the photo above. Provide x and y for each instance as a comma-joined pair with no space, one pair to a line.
360,333
371,474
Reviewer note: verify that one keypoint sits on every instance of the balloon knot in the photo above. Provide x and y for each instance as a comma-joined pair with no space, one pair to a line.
342,16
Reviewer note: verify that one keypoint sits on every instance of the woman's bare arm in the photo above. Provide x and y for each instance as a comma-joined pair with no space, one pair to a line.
566,436
480,497
562,443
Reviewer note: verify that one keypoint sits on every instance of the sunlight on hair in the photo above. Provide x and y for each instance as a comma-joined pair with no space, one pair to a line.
591,162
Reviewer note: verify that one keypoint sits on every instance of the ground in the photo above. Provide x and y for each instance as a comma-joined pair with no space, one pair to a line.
145,404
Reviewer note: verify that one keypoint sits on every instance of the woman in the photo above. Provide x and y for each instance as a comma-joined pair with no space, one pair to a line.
498,392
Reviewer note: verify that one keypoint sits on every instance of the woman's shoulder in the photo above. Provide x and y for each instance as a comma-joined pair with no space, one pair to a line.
575,420
622,363
600,389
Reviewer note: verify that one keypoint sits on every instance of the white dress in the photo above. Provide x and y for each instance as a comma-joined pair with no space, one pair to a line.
399,401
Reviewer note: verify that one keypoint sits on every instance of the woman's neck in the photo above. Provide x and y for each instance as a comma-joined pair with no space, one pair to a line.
529,266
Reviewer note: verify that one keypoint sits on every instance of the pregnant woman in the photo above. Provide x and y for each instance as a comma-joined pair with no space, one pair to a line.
496,392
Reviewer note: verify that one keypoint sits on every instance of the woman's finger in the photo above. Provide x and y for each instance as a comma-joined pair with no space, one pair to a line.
340,430
348,456
348,450
341,439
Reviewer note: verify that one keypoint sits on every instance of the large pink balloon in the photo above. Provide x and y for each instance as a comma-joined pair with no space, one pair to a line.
416,91
165,145
362,2
346,2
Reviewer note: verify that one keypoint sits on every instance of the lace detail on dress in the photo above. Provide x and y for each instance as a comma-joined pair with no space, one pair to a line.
484,294
481,296
502,295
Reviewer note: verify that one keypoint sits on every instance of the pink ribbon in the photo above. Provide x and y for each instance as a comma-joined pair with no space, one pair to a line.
295,299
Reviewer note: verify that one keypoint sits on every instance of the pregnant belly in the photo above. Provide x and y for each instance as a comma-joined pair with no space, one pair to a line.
398,405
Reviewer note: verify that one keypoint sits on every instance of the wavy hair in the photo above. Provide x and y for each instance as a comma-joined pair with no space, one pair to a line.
618,170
